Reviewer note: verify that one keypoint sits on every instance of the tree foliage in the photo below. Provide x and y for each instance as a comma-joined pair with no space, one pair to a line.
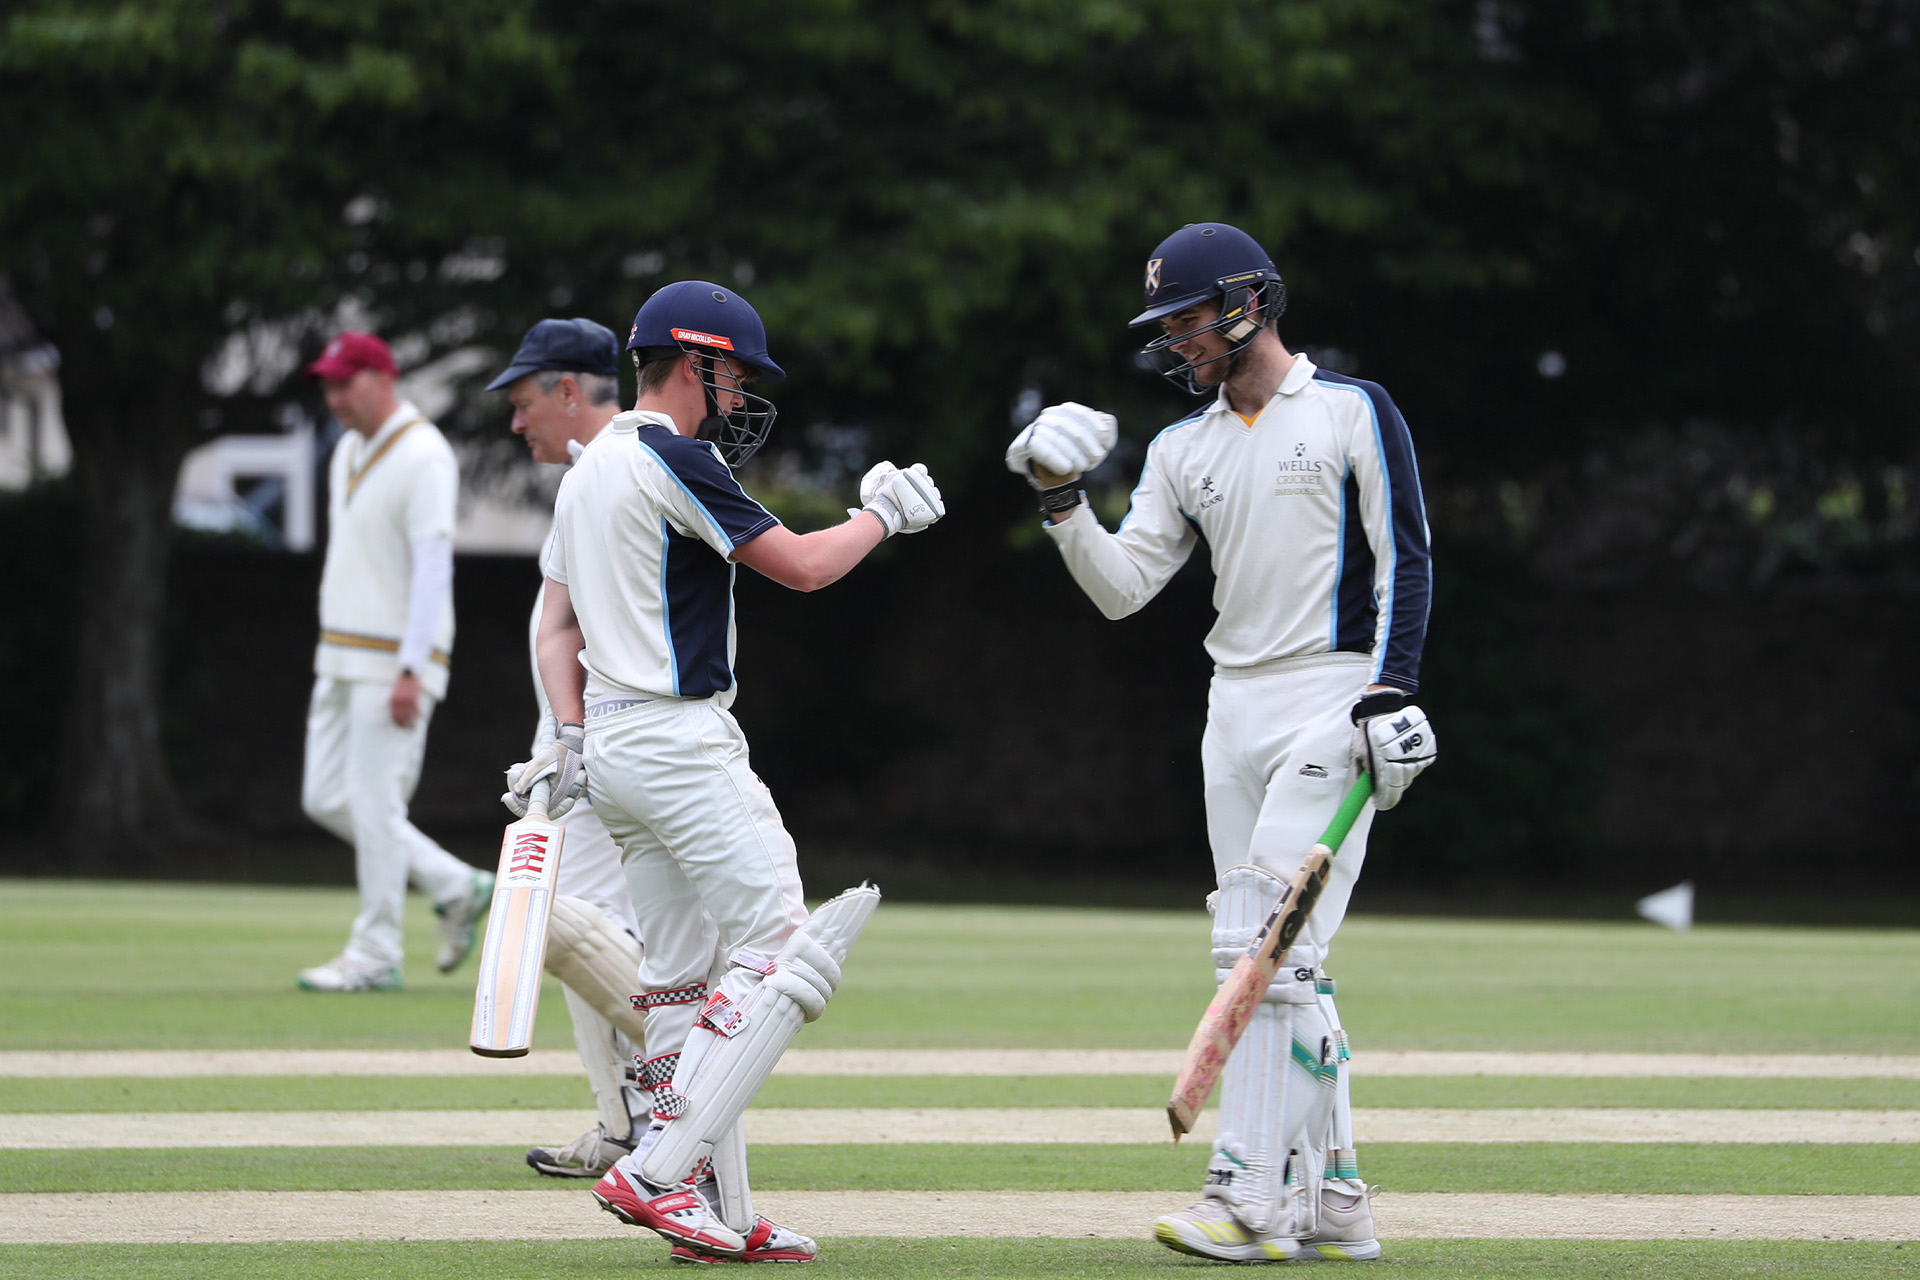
1539,224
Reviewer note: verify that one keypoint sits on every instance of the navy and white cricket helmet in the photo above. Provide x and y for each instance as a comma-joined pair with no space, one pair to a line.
1201,262
706,322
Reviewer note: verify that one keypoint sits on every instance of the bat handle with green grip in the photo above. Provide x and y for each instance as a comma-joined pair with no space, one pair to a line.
1357,796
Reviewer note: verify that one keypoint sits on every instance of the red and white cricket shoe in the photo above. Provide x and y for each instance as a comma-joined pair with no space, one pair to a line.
767,1242
678,1216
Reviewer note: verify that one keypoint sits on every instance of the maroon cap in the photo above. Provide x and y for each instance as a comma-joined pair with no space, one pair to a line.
348,354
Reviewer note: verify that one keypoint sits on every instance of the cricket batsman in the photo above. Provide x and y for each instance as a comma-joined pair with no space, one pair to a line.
1304,485
636,649
564,386
386,643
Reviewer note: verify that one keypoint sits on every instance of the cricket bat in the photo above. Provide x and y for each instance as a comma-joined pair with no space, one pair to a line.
1233,1005
515,950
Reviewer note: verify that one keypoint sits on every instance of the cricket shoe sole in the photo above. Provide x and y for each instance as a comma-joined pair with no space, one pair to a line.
679,1217
1339,1250
341,975
1207,1230
767,1242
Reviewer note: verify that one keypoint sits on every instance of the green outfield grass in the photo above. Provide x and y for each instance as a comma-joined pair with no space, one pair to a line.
386,1093
131,967
1732,1169
108,965
948,1260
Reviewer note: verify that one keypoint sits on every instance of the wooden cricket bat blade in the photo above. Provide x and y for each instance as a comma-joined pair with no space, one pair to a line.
1233,1004
507,994
1213,1040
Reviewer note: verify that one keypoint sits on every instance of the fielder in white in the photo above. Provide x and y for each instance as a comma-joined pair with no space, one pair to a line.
386,642
564,385
1304,485
636,648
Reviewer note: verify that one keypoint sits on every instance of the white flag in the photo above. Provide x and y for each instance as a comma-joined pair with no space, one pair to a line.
1670,907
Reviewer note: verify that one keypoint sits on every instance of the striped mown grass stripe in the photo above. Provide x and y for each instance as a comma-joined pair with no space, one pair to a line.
222,1216
359,1093
1670,1168
942,1258
920,1125
81,1064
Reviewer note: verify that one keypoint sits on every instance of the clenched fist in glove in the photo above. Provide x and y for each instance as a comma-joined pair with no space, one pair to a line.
1392,741
559,760
905,501
1066,440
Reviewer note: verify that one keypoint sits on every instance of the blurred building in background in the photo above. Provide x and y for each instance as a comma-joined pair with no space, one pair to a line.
270,487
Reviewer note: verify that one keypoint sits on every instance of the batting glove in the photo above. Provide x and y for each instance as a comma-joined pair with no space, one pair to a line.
561,761
1065,440
903,501
1393,741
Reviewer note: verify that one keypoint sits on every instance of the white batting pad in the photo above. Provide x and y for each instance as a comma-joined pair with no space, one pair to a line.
1246,896
730,1178
607,1056
598,960
747,1023
1278,1090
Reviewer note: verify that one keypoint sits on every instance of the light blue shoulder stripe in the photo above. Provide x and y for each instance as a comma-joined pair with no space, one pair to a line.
699,505
1339,564
1171,427
666,606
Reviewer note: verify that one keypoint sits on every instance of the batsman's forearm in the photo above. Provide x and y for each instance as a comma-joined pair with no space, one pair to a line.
809,561
557,646
561,674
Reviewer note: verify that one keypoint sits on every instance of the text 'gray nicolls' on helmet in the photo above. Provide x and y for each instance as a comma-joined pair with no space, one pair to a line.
1201,262
707,323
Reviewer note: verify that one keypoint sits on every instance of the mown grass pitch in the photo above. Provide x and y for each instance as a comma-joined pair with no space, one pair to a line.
954,1260
134,967
94,965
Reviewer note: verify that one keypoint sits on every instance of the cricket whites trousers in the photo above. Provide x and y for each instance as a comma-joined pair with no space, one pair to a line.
1278,760
361,769
710,866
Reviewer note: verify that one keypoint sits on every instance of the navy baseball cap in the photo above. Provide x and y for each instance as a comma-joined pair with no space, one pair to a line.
565,346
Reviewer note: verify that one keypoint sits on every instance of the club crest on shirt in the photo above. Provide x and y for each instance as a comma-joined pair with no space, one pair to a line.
1213,497
1299,475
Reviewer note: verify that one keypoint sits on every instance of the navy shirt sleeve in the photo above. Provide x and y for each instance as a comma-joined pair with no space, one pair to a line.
706,499
1402,546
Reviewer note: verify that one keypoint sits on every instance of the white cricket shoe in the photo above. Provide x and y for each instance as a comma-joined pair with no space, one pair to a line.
1345,1230
458,916
587,1156
767,1242
1208,1229
679,1215
342,974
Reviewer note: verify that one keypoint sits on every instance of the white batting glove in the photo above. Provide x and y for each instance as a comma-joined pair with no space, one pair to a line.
1393,741
1066,440
562,762
904,501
